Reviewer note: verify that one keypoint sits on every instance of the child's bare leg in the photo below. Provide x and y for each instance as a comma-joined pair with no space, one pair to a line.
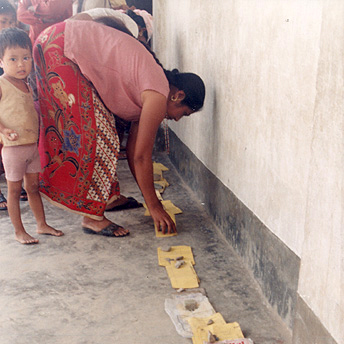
13,195
36,205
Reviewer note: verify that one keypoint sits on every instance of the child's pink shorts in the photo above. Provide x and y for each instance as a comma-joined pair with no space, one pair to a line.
19,160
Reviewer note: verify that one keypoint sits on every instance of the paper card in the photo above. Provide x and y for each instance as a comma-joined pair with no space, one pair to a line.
157,166
169,207
162,183
222,331
157,175
196,323
183,277
175,252
158,194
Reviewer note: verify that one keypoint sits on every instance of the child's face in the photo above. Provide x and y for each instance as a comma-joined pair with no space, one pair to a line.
17,62
6,20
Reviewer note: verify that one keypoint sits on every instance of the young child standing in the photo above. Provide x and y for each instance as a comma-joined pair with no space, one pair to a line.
19,132
8,18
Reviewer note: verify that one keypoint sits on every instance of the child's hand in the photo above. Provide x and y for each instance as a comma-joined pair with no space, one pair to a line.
10,134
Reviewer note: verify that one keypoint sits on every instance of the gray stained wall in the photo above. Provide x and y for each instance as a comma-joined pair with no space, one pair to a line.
266,153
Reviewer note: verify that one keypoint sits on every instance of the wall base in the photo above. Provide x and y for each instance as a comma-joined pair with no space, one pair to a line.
308,328
274,265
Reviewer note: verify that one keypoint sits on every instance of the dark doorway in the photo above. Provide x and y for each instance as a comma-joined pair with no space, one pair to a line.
142,5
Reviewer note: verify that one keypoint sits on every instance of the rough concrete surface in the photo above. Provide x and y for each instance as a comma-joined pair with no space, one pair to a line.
84,289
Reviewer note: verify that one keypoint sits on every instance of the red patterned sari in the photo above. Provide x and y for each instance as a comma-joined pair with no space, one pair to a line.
78,139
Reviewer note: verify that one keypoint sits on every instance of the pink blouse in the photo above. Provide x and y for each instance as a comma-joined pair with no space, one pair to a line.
119,66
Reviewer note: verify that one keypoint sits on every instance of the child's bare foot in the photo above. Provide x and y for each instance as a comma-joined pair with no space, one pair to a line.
26,239
49,231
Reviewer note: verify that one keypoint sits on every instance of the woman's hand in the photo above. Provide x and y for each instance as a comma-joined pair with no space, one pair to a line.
162,220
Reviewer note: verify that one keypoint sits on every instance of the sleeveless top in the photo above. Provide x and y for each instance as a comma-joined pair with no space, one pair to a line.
17,112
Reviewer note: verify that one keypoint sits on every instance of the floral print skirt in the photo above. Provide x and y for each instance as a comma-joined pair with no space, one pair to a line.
78,144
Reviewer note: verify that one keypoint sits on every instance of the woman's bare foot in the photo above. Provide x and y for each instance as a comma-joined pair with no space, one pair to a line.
26,239
49,231
97,226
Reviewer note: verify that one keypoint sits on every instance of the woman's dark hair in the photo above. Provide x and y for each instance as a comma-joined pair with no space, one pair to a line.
7,8
192,85
114,23
14,37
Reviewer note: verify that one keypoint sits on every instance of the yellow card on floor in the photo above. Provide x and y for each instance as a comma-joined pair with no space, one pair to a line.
183,277
157,166
158,194
167,205
162,182
196,323
221,331
164,258
159,234
170,207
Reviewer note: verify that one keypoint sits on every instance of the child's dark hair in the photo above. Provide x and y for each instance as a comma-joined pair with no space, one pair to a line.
14,37
7,8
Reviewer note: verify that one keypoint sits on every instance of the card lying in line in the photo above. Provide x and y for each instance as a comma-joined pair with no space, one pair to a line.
183,277
168,206
175,252
221,331
196,323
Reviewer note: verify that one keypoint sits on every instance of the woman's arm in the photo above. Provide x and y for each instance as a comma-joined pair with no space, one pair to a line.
139,151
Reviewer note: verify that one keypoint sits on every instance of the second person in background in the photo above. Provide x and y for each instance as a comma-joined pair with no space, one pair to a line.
40,14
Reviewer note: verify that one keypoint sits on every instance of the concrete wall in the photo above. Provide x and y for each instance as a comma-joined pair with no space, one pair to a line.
271,133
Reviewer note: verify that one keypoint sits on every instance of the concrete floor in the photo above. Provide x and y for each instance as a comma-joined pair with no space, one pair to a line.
82,289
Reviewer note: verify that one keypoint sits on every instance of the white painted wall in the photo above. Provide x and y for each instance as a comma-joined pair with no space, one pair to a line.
272,126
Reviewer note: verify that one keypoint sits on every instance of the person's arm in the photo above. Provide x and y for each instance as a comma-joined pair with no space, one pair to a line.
52,8
40,11
139,152
24,14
